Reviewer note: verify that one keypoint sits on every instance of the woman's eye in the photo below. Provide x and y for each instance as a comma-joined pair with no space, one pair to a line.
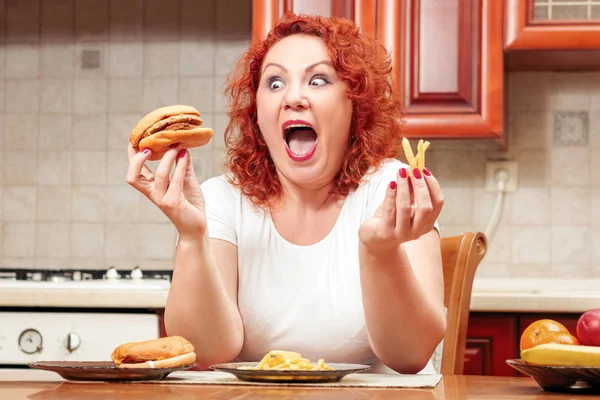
275,84
318,81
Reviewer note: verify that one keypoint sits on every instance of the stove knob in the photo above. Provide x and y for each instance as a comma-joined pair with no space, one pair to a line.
136,273
72,341
112,273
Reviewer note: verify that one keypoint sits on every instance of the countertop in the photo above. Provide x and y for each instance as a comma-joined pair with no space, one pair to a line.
502,295
26,384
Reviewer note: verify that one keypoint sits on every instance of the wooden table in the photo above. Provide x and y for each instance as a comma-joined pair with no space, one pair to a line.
451,387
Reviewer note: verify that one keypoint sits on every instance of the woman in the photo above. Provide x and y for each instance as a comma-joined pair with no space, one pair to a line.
311,242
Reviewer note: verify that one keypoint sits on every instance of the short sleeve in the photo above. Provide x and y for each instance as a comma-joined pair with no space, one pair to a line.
220,204
378,183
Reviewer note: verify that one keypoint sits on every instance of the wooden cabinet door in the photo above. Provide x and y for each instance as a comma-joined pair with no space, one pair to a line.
448,65
491,340
547,25
265,13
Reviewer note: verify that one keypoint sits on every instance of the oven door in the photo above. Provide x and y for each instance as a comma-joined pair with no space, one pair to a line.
82,335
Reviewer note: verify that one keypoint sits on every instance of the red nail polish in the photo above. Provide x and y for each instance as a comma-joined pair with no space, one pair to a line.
426,171
145,151
393,185
402,172
181,153
417,173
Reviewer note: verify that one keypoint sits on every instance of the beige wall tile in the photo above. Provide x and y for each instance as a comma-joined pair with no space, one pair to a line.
22,60
90,96
122,241
535,167
197,92
570,167
18,239
531,129
20,132
196,57
122,204
88,204
161,58
19,168
157,241
54,132
571,244
569,91
23,95
119,129
53,203
56,96
54,167
459,209
531,245
57,60
159,92
126,59
116,167
531,206
528,91
88,167
570,206
18,203
125,95
87,240
89,132
52,239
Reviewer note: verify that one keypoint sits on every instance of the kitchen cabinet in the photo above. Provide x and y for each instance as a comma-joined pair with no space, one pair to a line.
544,25
447,58
492,338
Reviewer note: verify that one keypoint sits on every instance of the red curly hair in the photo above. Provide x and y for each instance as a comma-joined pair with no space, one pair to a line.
362,63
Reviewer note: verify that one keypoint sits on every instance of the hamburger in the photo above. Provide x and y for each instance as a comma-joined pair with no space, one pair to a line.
167,352
166,126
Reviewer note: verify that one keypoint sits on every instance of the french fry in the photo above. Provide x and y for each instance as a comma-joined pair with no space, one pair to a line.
418,161
287,360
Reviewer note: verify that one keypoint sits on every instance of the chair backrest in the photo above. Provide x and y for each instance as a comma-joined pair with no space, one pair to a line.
461,256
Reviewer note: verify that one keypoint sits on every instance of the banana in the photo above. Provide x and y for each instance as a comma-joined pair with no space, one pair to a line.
565,355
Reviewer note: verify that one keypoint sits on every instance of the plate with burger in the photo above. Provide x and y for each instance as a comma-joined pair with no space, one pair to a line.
146,360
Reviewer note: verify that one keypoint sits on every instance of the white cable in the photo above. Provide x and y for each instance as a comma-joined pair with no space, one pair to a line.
501,178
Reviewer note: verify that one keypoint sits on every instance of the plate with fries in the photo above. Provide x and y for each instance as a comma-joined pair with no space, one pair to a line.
285,366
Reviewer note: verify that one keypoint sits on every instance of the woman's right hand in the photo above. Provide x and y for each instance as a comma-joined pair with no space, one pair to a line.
179,197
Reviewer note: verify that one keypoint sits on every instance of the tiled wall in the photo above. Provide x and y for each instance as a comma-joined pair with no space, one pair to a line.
78,74
76,77
551,225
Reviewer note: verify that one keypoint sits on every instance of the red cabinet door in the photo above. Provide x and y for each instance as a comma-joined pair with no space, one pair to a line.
448,65
526,28
491,340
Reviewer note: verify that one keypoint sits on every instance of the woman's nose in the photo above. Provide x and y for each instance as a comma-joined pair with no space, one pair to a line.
295,99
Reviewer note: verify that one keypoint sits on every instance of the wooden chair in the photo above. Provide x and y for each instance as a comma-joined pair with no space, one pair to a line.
461,256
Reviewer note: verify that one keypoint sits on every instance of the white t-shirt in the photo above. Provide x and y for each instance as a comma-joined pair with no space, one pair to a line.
300,298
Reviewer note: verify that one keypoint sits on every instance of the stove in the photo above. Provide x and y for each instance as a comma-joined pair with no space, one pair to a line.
75,333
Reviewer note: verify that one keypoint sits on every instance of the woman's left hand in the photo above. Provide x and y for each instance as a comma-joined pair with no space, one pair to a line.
398,219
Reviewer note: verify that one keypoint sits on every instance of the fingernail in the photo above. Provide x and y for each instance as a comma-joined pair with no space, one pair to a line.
146,151
393,185
402,172
426,171
417,173
181,153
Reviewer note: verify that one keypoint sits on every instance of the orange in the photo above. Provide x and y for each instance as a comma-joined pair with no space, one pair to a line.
560,337
543,331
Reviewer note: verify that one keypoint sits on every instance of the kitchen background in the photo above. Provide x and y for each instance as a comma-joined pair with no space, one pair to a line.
78,74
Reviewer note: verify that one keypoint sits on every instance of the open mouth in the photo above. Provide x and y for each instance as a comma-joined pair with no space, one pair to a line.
300,138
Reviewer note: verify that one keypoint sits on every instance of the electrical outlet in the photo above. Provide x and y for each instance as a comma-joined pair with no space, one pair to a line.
495,167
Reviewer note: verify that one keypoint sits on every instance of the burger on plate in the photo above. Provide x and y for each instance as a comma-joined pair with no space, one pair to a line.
167,352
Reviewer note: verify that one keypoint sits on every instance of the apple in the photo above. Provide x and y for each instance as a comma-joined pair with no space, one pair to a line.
588,328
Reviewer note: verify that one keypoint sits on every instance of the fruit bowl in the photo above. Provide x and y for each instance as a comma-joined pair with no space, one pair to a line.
560,378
